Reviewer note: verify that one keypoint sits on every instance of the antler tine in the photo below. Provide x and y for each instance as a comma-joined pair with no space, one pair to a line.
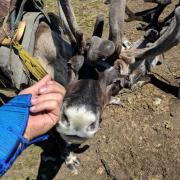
140,16
116,24
132,16
99,25
71,19
150,16
69,13
145,15
163,2
65,24
170,38
169,17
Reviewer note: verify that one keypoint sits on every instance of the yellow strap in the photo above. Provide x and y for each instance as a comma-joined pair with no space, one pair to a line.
17,36
31,63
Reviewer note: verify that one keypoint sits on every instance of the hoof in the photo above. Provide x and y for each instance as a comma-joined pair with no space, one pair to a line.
72,162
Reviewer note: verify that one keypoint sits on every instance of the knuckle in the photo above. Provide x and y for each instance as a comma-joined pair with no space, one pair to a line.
59,97
50,87
55,104
55,120
63,91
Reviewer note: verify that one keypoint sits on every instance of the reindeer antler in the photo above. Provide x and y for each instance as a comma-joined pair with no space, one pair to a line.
170,38
71,19
65,25
159,1
116,24
99,25
150,16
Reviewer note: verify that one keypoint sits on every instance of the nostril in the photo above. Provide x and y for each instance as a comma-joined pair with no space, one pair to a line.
92,126
65,120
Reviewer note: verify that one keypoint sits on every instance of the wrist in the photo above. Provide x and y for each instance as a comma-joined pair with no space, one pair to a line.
27,133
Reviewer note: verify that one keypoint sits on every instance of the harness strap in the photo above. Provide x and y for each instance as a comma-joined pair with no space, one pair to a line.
10,62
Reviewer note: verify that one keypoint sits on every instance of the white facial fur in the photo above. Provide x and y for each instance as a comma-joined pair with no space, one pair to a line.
79,122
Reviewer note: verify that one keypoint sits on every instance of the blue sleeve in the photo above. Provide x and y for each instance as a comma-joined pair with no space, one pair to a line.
13,121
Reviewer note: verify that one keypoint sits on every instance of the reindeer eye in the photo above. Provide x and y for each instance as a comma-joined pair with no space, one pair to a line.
92,126
65,120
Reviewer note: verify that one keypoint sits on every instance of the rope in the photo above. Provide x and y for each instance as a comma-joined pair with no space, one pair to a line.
29,62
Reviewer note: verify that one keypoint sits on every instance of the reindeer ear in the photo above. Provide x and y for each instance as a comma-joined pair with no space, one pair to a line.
99,49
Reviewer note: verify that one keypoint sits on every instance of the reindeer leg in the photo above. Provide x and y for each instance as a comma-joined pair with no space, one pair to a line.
71,160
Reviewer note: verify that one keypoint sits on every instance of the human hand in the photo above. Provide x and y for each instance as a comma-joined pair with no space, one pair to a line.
47,98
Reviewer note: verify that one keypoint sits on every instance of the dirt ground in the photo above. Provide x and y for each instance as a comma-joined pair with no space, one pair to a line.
139,140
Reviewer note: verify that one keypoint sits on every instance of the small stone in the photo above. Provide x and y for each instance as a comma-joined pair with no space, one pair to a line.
88,158
140,138
129,100
136,178
168,125
155,177
100,171
157,101
75,172
158,145
175,108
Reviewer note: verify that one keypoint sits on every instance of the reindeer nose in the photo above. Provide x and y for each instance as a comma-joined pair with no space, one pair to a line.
76,124
79,126
77,129
79,121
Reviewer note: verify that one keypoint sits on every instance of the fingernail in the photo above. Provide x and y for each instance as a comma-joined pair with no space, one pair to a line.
33,100
43,90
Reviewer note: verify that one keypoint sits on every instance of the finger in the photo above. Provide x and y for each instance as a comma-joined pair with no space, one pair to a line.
48,97
42,82
35,88
46,106
54,82
52,87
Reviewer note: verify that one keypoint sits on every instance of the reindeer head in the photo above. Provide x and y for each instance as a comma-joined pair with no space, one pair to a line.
92,79
101,69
